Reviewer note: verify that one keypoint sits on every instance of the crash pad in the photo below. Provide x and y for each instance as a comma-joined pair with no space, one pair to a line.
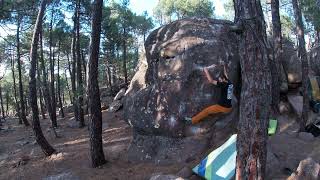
220,164
272,126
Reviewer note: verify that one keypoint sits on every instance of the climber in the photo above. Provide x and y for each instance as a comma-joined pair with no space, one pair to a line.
224,104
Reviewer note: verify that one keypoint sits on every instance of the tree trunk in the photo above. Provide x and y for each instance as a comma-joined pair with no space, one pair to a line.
41,140
7,101
84,65
302,54
125,56
17,106
68,86
22,105
255,93
2,106
96,148
317,38
45,86
73,73
40,92
108,73
52,88
59,85
79,71
276,62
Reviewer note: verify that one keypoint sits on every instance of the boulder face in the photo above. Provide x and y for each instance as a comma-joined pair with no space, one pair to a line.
170,84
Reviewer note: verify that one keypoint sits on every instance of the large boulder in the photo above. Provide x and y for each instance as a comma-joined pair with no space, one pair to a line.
169,85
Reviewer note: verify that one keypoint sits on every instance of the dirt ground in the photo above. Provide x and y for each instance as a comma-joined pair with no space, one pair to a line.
21,157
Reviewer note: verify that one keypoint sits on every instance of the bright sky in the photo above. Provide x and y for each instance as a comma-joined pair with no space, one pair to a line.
139,6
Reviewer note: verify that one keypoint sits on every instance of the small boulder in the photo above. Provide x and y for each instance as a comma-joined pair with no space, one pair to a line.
120,94
308,169
185,172
306,136
284,107
62,176
166,177
115,106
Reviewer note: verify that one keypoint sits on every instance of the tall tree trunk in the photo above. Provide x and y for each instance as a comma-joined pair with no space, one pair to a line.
68,86
125,56
317,38
22,105
52,88
84,65
96,148
45,85
41,140
59,85
255,93
302,54
108,72
7,101
79,71
17,106
40,92
73,73
277,46
2,106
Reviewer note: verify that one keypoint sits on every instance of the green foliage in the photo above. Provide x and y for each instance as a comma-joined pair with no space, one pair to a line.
169,10
311,12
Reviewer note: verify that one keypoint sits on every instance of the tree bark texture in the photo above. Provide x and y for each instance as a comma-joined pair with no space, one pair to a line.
125,56
59,85
96,146
73,73
255,91
79,69
302,54
22,104
2,106
277,46
40,92
17,106
45,85
52,88
41,140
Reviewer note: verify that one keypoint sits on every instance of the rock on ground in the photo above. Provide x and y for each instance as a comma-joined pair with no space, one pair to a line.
308,169
62,176
296,103
165,177
306,136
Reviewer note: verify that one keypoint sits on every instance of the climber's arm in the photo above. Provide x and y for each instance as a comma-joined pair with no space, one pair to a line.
209,76
225,71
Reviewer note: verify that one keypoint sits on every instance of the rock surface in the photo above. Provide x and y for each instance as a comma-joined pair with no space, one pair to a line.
296,103
165,177
170,85
308,169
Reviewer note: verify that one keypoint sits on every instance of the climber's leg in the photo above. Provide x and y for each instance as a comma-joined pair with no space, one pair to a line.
214,109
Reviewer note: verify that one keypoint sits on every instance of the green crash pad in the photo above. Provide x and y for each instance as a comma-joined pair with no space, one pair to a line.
272,126
220,164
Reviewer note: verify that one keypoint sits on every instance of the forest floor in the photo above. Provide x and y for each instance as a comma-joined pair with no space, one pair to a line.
21,157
